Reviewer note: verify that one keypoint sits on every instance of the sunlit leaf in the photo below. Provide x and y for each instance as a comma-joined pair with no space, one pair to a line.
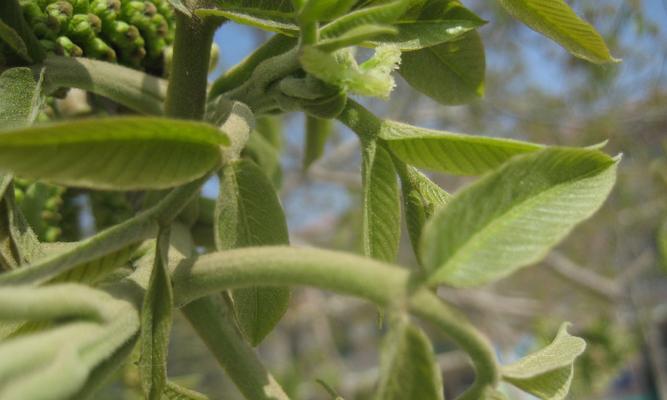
512,217
450,73
556,20
548,372
115,153
450,152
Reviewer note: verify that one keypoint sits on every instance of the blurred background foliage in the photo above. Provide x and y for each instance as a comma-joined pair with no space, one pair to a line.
608,278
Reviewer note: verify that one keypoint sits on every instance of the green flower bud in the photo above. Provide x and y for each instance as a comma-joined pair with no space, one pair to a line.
52,234
65,47
59,12
19,194
81,27
80,6
97,48
106,10
49,45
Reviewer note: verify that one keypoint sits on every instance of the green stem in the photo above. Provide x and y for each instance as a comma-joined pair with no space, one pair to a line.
381,283
363,122
134,89
241,72
186,96
213,318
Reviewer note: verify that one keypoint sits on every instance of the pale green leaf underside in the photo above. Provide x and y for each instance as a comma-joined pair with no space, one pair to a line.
556,20
20,97
513,216
450,73
381,225
548,372
408,366
248,213
450,152
114,153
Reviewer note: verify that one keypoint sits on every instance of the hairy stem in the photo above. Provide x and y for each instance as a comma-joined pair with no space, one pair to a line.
134,89
362,122
381,283
186,96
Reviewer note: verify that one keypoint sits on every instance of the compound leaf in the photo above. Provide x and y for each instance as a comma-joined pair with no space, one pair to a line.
547,373
408,367
450,152
512,217
248,213
557,21
115,153
450,73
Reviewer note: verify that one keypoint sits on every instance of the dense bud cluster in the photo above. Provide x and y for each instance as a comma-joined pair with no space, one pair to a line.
133,33
41,204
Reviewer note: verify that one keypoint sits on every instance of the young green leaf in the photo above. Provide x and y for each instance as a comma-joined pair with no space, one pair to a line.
12,15
319,10
267,157
371,78
18,243
556,20
450,73
408,367
379,14
249,213
421,198
547,373
417,35
381,224
512,217
94,271
450,152
316,135
355,36
12,39
271,15
115,153
156,319
20,97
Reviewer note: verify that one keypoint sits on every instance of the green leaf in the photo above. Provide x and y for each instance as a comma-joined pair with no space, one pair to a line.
381,224
355,36
10,37
380,14
408,367
316,135
271,15
421,198
173,391
662,244
450,152
417,35
513,217
319,10
450,73
90,272
557,21
547,373
115,153
156,319
249,213
267,157
20,97
12,15
18,243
